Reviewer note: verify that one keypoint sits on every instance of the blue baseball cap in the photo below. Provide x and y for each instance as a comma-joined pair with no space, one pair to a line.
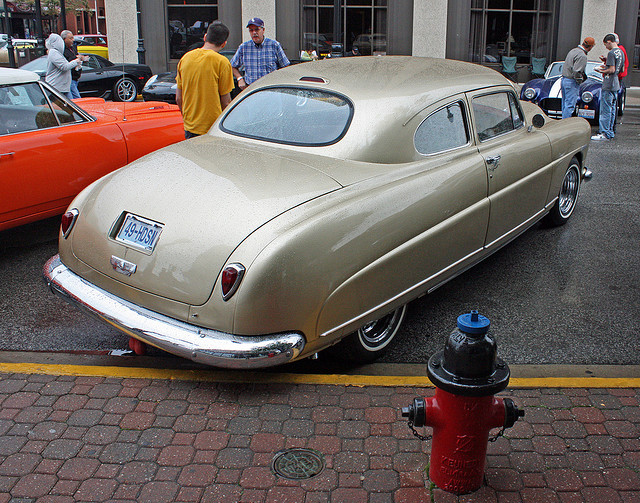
256,21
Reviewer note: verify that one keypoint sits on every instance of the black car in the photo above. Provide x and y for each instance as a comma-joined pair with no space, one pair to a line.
103,79
162,86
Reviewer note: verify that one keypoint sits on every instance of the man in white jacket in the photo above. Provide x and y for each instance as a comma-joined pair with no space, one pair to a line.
58,68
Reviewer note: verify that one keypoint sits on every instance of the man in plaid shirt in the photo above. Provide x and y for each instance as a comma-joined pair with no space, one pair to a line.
259,55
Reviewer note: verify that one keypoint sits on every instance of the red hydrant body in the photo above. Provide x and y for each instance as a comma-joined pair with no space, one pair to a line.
464,409
461,428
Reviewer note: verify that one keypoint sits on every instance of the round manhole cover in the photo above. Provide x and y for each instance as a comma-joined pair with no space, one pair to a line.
297,464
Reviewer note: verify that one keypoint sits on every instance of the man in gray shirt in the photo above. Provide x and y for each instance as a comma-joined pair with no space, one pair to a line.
610,87
573,75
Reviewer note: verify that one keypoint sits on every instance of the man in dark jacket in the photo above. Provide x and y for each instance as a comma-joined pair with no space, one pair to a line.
71,53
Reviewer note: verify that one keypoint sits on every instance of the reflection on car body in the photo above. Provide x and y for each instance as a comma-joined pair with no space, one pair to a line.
316,208
51,148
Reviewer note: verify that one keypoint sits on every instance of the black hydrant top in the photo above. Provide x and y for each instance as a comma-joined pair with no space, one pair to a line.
469,364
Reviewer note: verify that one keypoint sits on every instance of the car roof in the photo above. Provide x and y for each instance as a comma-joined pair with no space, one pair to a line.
391,76
387,92
16,76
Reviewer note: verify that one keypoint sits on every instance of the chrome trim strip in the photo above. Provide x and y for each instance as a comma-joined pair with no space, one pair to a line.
199,344
408,290
551,203
516,231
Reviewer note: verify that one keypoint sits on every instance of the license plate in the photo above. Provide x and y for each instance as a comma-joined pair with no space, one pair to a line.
587,114
139,233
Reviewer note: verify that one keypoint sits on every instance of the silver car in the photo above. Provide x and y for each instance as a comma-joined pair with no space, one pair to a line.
316,208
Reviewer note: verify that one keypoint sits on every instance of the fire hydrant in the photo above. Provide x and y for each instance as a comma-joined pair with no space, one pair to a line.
467,373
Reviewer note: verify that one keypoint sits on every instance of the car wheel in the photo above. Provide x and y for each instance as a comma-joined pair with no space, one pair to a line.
622,103
369,341
125,90
568,196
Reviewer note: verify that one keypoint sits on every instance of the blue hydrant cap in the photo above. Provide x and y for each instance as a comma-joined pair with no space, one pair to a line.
473,323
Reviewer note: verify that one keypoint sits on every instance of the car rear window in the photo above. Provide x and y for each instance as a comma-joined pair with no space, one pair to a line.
294,116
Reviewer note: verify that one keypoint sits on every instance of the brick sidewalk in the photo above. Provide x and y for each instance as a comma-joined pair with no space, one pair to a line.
66,439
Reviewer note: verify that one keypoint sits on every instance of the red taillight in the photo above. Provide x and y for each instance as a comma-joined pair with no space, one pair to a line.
68,221
231,278
317,80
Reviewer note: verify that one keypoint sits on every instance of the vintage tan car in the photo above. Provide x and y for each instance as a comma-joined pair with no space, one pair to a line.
316,208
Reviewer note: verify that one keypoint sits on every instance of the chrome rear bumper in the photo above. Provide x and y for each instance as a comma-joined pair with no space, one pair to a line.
199,344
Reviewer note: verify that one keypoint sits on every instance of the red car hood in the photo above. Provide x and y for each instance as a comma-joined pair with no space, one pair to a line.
97,106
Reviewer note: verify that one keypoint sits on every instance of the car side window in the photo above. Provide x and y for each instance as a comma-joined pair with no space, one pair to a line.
516,113
443,130
91,64
65,113
24,108
494,115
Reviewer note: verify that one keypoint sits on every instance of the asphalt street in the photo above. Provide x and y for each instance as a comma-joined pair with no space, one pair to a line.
565,295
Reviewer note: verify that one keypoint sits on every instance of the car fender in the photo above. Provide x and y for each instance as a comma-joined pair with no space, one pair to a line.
326,264
563,136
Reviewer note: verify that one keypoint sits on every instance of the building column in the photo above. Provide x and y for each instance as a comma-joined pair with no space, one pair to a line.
598,19
265,10
430,28
122,30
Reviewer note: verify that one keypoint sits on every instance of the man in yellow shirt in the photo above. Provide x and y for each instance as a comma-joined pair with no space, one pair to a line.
204,82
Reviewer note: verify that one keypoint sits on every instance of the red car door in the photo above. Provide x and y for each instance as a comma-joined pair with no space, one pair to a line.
49,152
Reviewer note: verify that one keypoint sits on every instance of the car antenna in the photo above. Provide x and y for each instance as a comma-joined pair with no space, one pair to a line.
124,102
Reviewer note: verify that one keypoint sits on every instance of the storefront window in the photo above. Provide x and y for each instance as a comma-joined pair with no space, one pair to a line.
520,28
188,23
363,26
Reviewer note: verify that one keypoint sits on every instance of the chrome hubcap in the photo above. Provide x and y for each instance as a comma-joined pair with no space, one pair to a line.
378,333
126,90
569,191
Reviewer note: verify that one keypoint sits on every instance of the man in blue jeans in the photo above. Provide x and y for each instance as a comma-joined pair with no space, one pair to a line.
610,86
573,75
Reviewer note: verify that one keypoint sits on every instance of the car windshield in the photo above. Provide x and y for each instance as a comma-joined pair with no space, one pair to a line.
295,116
36,65
555,70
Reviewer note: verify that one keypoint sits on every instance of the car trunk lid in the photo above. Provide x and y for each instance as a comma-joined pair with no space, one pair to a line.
206,207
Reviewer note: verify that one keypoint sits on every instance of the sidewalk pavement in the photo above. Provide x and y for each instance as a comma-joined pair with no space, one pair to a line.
66,438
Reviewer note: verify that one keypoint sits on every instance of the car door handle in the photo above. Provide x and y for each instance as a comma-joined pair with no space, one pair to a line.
7,154
493,161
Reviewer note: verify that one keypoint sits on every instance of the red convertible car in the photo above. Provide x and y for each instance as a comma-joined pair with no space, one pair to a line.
52,148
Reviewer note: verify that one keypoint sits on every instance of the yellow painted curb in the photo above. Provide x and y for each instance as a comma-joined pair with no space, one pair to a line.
289,378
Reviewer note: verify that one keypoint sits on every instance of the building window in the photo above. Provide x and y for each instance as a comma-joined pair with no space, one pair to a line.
363,26
521,28
188,23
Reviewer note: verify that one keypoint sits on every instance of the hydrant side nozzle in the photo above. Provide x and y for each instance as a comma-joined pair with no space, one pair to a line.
416,412
511,413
